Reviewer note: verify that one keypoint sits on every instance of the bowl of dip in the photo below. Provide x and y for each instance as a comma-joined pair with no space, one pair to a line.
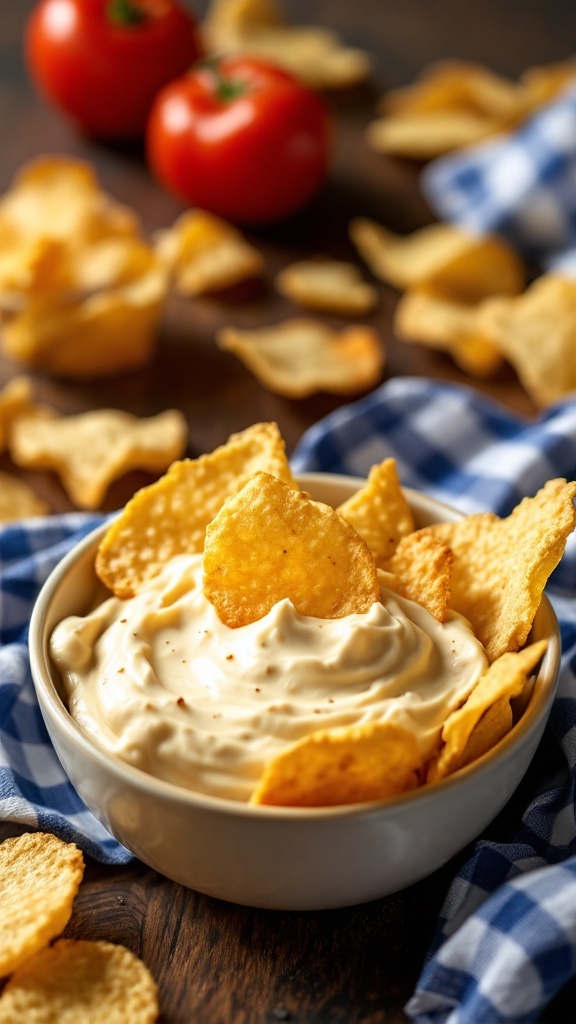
133,739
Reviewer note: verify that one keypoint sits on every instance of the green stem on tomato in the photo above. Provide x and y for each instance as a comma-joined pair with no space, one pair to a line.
226,88
125,12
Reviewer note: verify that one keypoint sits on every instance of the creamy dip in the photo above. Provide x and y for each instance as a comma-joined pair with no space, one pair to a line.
162,683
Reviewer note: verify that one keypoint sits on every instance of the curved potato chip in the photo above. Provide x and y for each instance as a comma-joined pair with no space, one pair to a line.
426,136
299,357
80,982
459,85
108,332
18,500
329,286
270,542
537,333
379,511
15,398
39,878
422,570
505,678
92,449
440,257
501,566
448,326
257,28
342,766
206,254
170,516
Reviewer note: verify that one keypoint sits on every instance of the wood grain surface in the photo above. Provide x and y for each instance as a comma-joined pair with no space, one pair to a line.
216,963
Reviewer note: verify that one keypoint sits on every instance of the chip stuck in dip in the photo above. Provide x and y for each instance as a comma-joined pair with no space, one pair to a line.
277,652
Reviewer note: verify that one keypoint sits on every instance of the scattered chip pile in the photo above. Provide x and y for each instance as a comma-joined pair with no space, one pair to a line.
71,982
264,541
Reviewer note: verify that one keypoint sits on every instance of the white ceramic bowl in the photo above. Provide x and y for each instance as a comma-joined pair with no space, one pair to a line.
281,858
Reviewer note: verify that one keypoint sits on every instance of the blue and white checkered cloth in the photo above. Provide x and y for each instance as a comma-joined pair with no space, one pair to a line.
521,186
506,939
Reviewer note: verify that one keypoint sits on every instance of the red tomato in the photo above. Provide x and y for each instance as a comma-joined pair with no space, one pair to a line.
240,138
103,61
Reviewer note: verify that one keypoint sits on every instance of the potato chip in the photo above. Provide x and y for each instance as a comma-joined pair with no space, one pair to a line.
545,82
18,500
269,542
257,28
450,327
440,258
422,570
426,136
379,511
329,286
495,723
206,254
111,331
170,516
39,878
32,266
92,449
299,357
15,398
537,334
80,982
342,766
60,198
459,85
505,678
501,565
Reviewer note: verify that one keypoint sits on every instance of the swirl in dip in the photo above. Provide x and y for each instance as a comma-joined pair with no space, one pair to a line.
162,683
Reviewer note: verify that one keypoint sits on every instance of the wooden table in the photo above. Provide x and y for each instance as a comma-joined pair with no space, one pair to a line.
217,963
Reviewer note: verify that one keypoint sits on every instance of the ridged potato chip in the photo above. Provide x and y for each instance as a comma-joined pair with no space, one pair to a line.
81,982
379,511
92,449
270,542
441,258
257,28
15,398
18,500
170,516
448,326
505,678
204,254
422,569
501,566
299,357
342,766
537,333
328,286
39,878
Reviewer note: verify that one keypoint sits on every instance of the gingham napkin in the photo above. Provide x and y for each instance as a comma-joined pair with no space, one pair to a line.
521,186
506,937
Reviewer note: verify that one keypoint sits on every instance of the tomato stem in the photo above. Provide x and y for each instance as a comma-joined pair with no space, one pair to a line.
226,88
125,12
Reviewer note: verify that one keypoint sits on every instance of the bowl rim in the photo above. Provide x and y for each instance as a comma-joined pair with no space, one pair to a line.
539,705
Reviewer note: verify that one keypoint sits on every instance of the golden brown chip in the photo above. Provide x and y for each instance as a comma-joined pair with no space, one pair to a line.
537,334
170,516
299,357
107,332
505,678
328,286
60,198
80,982
342,766
449,327
545,82
269,543
458,85
206,254
495,723
39,878
422,570
379,511
15,398
440,258
18,500
92,449
501,565
32,267
426,136
257,28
